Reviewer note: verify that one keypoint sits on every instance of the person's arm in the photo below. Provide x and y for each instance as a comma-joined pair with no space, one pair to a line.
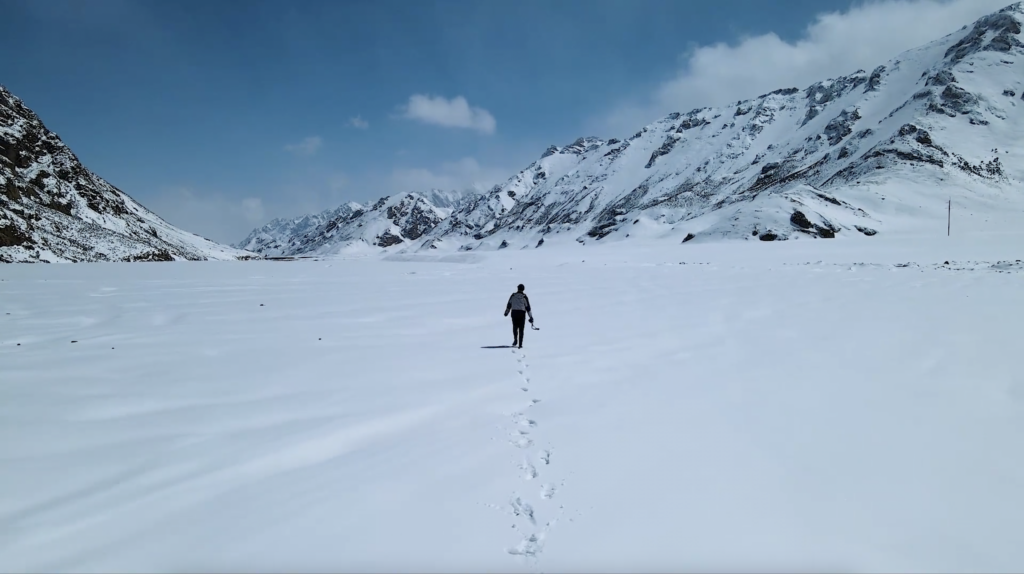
508,306
528,310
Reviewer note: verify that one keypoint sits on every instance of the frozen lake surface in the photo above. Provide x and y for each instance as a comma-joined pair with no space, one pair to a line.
843,405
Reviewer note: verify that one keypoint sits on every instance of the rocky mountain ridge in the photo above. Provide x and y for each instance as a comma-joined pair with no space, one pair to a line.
392,220
790,163
871,152
53,209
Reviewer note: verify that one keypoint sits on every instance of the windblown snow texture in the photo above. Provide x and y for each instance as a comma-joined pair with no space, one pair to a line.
838,406
53,209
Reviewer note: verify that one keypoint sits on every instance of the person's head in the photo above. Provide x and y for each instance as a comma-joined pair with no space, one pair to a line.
522,287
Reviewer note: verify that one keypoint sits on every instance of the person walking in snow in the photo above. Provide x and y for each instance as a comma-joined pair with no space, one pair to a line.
519,306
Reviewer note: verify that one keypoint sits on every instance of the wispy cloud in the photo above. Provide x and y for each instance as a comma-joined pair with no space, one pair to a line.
308,146
252,210
210,214
227,219
338,182
834,44
453,113
466,173
359,123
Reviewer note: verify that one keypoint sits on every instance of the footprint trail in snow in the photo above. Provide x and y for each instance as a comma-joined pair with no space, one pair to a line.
532,542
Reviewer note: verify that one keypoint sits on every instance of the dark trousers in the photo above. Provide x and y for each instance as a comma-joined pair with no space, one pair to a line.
518,323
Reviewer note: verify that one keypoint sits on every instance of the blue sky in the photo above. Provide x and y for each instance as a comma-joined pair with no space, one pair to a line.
220,115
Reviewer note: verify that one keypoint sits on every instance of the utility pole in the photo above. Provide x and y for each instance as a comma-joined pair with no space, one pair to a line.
949,216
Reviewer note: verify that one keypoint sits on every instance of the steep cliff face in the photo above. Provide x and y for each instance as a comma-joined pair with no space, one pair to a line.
53,209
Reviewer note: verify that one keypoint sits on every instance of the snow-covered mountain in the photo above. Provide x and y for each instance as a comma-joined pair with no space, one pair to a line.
53,209
876,151
859,154
273,238
390,221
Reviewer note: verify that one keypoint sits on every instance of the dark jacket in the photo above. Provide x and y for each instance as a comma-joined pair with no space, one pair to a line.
519,302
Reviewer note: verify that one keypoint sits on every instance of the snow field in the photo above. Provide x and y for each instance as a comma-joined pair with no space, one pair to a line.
799,405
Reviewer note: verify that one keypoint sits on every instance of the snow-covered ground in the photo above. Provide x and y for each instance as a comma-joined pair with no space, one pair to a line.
744,405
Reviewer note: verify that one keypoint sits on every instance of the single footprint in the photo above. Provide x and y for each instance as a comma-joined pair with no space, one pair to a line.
524,389
522,442
530,546
521,418
529,471
547,492
520,508
545,457
534,401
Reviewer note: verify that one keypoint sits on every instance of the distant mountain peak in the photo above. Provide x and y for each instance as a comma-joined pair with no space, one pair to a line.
389,221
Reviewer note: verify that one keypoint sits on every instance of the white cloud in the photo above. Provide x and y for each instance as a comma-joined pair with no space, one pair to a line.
308,146
227,219
359,123
834,44
466,173
453,113
252,210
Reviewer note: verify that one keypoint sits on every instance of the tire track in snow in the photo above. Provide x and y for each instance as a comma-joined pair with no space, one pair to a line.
531,468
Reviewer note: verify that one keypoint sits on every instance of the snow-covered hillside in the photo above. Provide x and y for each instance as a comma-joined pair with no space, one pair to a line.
799,406
273,239
874,152
53,209
390,221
